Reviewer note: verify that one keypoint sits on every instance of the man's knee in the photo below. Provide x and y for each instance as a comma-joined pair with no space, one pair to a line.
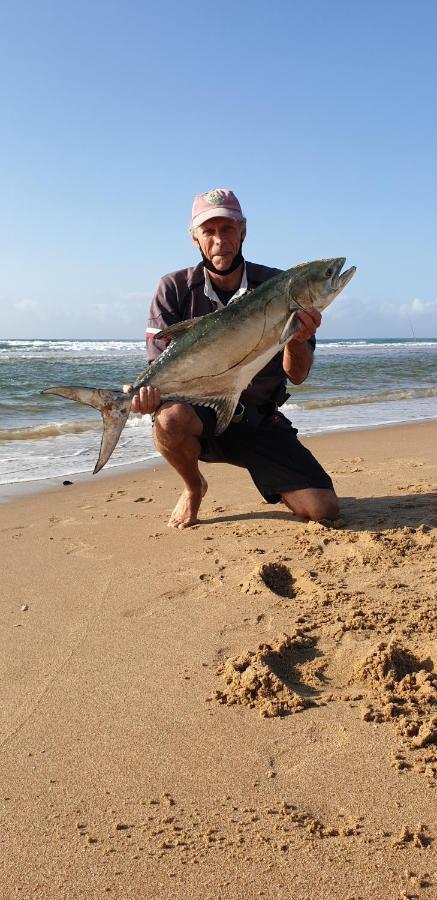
325,507
175,420
314,504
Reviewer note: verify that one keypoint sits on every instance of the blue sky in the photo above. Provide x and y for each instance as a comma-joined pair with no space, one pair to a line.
320,116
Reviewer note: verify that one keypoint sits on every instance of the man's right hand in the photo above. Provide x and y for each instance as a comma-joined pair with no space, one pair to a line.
147,401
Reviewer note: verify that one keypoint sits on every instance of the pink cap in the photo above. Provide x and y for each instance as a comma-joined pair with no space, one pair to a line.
220,202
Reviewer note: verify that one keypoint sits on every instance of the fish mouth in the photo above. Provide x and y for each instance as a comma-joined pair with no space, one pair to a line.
328,283
339,281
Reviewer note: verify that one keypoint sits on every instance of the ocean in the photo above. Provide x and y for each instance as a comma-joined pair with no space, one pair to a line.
353,384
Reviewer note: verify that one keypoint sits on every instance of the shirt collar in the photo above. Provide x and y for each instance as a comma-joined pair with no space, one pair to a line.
210,292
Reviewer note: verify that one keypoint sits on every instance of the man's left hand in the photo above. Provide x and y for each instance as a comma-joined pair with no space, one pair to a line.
310,320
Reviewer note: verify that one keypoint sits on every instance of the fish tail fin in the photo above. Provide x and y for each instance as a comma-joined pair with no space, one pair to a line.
114,407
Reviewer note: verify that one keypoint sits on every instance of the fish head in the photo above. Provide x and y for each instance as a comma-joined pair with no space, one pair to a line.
318,283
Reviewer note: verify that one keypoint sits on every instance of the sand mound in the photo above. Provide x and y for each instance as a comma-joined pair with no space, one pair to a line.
387,666
262,679
405,691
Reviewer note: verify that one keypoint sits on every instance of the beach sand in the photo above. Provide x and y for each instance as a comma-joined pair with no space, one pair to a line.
242,709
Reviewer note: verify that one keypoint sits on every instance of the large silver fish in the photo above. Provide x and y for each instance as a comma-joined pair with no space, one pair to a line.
212,359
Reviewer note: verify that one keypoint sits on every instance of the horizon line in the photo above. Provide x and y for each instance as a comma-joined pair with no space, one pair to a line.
143,339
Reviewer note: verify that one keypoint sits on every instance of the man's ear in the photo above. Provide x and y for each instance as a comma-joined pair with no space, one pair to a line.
243,232
194,238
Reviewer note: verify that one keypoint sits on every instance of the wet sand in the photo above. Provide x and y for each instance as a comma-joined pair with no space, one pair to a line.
242,709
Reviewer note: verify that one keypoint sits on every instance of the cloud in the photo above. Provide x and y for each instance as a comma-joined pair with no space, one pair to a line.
31,309
115,311
135,297
352,316
98,311
415,307
126,308
423,307
26,306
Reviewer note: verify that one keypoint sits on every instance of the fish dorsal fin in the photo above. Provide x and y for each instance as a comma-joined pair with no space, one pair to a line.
240,296
176,330
224,407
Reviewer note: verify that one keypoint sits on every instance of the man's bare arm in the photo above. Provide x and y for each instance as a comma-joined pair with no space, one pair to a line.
298,353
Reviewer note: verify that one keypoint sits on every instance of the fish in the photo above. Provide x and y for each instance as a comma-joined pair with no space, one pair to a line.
211,359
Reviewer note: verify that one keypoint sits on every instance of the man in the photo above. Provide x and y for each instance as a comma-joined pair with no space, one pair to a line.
259,438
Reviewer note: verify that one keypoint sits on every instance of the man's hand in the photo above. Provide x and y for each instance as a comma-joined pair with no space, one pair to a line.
298,354
147,401
310,320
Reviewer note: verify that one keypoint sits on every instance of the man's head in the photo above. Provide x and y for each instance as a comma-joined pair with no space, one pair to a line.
218,228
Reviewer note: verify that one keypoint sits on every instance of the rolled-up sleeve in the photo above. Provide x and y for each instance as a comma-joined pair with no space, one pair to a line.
163,312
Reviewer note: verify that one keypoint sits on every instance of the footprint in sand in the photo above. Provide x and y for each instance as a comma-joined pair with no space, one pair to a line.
275,576
350,464
86,551
55,520
260,622
16,528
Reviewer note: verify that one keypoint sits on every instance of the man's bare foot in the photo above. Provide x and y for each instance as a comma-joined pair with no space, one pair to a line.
187,507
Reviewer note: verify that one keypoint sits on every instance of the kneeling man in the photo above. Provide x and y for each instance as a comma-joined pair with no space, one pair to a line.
260,438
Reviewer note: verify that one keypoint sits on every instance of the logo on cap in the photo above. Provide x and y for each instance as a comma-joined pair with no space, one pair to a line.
215,197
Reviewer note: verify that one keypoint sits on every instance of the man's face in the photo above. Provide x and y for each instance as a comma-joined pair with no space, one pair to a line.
219,239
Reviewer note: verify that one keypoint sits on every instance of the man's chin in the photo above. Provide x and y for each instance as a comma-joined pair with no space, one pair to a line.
222,262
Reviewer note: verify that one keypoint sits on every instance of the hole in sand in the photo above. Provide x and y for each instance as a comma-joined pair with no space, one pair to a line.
278,579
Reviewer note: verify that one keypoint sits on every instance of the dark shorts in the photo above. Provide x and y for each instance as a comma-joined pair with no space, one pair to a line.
268,447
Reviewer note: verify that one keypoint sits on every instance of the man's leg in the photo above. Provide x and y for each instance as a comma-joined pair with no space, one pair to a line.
177,431
312,503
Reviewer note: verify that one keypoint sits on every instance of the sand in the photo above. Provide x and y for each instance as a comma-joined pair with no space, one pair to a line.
242,709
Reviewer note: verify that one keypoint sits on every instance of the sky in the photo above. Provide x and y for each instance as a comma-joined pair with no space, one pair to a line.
321,116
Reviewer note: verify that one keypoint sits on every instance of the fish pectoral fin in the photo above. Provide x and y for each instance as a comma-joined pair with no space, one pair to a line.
290,327
176,330
114,407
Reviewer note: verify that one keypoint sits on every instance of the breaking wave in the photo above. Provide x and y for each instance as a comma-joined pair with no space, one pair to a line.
352,400
58,429
53,429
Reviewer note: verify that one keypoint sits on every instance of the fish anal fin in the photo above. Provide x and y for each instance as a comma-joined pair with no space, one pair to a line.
224,407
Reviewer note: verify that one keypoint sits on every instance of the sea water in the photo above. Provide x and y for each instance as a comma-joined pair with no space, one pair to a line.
353,384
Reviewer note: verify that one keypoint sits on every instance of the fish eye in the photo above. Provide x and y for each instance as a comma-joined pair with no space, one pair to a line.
329,272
